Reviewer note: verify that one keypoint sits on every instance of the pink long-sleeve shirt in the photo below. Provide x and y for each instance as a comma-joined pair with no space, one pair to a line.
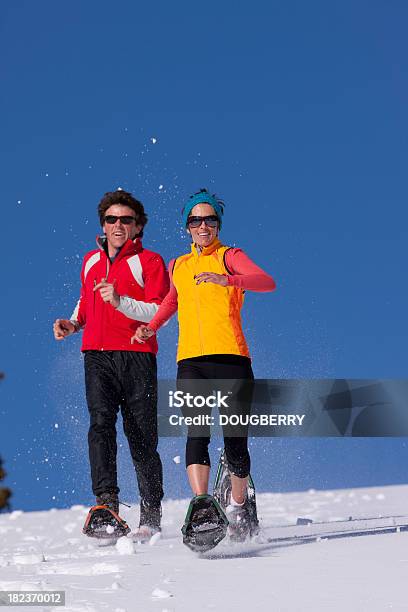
245,275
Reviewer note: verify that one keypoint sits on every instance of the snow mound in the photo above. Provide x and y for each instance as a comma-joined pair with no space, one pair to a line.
155,538
125,546
28,559
161,594
79,569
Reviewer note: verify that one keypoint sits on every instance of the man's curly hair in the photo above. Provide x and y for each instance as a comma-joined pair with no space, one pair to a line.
125,199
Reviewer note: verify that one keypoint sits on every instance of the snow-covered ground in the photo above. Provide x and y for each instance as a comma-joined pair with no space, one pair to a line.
47,551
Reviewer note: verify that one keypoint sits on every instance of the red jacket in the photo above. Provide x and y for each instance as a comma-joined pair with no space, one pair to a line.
141,280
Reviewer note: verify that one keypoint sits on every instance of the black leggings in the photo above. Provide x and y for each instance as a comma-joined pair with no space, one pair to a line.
221,367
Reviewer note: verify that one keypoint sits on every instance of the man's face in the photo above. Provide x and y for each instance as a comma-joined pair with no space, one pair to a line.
203,235
117,233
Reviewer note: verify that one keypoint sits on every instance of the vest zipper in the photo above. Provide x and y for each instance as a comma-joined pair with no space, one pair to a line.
198,313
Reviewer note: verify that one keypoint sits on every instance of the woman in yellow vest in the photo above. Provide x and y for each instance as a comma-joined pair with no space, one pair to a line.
207,289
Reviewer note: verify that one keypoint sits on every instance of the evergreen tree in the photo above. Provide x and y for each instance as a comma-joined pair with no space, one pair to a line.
5,493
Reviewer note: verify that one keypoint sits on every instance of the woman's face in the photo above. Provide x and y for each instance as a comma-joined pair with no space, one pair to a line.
203,235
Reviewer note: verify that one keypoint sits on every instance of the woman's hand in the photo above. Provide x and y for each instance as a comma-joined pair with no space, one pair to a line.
211,277
142,334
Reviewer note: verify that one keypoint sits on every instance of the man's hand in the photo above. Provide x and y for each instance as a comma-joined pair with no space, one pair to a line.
212,277
63,328
142,334
108,293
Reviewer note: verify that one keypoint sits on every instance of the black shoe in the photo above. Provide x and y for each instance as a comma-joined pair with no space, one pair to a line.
150,515
110,500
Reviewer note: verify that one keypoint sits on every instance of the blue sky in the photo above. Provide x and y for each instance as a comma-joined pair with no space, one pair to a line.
295,114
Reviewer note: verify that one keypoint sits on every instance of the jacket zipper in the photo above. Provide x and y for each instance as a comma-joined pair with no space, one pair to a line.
94,298
103,303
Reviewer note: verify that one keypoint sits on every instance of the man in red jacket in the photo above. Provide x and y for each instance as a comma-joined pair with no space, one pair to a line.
122,285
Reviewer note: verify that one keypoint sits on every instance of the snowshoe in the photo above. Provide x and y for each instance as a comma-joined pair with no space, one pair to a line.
243,521
205,524
239,519
102,522
149,523
145,533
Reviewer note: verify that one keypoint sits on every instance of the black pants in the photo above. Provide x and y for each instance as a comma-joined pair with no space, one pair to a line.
125,380
221,367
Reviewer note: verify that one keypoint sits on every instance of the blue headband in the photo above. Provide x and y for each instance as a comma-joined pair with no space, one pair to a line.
202,198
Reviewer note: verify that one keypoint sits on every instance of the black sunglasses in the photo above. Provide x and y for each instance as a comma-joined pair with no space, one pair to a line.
210,220
126,219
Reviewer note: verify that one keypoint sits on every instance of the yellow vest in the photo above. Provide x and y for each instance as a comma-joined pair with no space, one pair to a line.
209,315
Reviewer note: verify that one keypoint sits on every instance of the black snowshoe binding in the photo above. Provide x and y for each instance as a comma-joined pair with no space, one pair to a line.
205,524
243,520
104,523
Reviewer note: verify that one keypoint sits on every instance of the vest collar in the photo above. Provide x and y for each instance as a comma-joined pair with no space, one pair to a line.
216,244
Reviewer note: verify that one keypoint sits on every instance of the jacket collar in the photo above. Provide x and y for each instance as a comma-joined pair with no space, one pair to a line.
131,247
216,244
